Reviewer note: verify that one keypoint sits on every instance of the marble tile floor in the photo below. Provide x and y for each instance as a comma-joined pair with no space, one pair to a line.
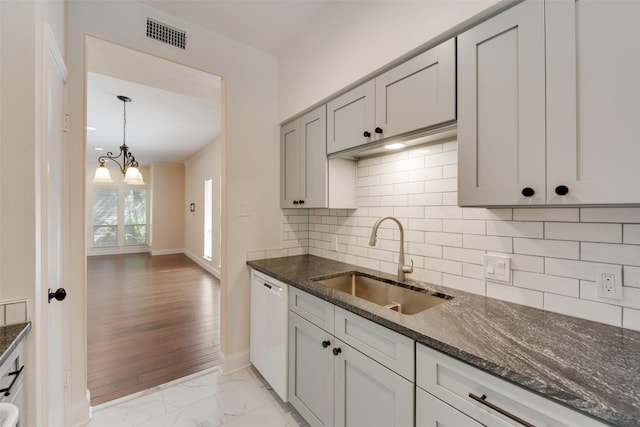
206,399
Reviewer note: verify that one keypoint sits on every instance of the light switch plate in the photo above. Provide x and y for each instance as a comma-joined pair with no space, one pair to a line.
497,268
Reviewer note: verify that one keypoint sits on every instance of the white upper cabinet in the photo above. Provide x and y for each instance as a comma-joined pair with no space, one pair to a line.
417,94
593,101
548,105
307,178
501,109
350,120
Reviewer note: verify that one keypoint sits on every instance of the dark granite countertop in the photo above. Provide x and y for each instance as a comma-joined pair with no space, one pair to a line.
10,337
585,365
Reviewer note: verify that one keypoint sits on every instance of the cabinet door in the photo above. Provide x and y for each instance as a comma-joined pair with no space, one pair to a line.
292,165
313,131
368,394
349,116
311,371
593,126
432,412
418,93
501,109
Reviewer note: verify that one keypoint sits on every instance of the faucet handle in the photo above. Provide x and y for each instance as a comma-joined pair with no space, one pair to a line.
408,268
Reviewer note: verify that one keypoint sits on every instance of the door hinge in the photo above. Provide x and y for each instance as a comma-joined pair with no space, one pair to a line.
65,123
66,378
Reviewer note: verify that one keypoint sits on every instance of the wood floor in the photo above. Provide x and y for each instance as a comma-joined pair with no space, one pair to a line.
150,320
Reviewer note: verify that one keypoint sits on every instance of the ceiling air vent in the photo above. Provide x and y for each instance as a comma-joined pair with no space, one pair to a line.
166,33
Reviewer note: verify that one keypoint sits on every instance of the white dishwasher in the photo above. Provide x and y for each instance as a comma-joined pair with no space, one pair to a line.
269,329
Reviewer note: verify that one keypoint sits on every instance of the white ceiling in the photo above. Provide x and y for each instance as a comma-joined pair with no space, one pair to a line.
268,25
174,113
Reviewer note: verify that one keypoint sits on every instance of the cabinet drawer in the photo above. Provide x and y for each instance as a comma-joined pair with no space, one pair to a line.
311,308
432,412
383,345
453,381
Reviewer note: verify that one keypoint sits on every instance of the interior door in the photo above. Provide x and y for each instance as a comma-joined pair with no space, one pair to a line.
53,324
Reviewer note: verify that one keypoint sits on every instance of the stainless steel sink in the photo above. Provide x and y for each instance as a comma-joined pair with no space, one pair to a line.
384,292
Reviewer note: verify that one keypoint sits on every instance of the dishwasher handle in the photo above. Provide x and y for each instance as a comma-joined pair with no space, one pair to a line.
273,288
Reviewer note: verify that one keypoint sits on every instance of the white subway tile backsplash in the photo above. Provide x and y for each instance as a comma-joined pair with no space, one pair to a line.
631,276
631,319
464,226
631,234
547,214
532,230
441,159
517,295
473,256
546,283
590,310
444,239
534,264
466,284
611,253
552,248
569,268
491,214
585,232
488,243
622,215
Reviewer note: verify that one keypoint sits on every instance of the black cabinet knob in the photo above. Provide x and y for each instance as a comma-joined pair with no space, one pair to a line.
301,202
295,202
378,130
528,192
337,351
562,190
326,344
366,134
59,294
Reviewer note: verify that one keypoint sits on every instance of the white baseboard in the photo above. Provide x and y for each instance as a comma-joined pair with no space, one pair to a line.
118,250
234,363
81,411
201,262
166,252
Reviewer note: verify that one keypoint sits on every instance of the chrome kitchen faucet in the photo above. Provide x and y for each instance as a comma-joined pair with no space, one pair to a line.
402,269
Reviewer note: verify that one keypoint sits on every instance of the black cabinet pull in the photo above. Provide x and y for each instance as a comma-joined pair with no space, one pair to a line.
378,130
366,134
326,344
528,192
482,399
562,190
7,390
337,351
59,295
295,202
301,202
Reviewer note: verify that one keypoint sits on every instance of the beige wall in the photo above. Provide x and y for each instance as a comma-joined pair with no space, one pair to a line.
206,164
167,204
21,35
250,153
366,36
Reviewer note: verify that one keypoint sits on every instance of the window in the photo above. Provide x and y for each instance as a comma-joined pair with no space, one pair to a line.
105,217
119,217
208,218
135,216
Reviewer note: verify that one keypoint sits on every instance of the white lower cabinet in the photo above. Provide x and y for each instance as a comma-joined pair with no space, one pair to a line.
432,412
484,397
333,384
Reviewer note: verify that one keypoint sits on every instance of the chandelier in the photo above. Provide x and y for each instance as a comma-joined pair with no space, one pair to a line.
129,165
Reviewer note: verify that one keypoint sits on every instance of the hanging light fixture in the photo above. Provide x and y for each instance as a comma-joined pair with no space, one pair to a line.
129,166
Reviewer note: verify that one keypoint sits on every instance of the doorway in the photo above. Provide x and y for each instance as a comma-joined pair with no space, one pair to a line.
173,127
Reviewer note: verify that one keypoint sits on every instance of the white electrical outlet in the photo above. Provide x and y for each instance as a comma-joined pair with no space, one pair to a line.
334,243
609,282
497,268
